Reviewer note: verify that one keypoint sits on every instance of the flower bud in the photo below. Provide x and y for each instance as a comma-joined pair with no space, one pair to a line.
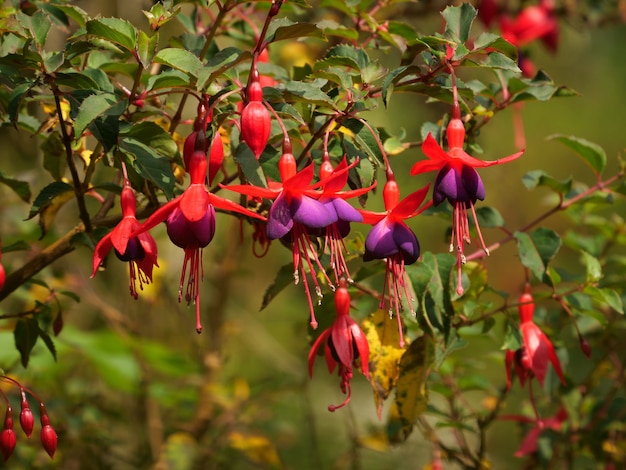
27,421
49,439
584,346
7,437
256,122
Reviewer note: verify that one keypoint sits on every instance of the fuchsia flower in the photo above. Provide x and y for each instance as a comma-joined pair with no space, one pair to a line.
457,181
140,250
346,345
532,23
392,240
531,360
529,444
298,209
190,220
334,199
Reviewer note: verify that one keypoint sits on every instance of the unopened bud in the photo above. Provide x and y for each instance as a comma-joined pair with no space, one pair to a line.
27,420
584,346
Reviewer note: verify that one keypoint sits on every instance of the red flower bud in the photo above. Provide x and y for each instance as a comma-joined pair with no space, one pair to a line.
526,307
57,325
49,439
7,437
27,421
3,276
256,122
584,346
48,434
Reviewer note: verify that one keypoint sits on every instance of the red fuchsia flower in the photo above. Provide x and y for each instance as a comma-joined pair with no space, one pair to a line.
48,435
334,199
532,23
345,345
27,420
190,220
532,359
140,250
457,181
256,122
295,212
393,241
529,444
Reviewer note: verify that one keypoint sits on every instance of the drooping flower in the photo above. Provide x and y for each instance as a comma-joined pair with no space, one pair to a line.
457,181
529,444
393,241
532,359
190,220
140,250
345,345
334,199
295,211
534,22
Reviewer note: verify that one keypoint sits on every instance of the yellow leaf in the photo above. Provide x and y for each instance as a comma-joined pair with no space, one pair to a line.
385,353
257,448
49,212
411,392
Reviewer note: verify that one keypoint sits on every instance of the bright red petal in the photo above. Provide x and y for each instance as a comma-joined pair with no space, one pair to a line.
157,217
408,207
301,179
121,233
227,205
254,191
372,218
314,349
437,157
102,249
476,163
194,202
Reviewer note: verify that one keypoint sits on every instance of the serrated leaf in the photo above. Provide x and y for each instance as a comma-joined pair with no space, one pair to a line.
497,60
21,188
591,153
146,48
495,42
179,59
411,392
283,278
95,106
152,167
308,92
168,79
459,21
25,334
529,256
362,136
219,63
115,30
40,26
244,157
606,296
383,338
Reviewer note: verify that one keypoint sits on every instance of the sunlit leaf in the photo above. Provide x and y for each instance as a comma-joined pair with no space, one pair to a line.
591,153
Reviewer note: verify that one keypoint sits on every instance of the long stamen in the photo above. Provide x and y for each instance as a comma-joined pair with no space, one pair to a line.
480,235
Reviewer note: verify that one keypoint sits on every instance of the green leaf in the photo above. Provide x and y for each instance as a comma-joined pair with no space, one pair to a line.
168,79
47,196
593,266
535,251
95,106
40,26
497,60
148,164
459,21
494,42
283,278
19,245
489,217
535,178
54,155
362,136
283,29
154,136
593,154
250,166
179,59
25,333
48,342
219,63
115,30
308,92
21,188
606,296
146,48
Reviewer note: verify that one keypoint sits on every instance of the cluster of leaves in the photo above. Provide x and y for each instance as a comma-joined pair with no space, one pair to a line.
116,92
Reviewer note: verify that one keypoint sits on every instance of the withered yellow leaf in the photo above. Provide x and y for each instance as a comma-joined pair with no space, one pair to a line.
259,449
385,353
